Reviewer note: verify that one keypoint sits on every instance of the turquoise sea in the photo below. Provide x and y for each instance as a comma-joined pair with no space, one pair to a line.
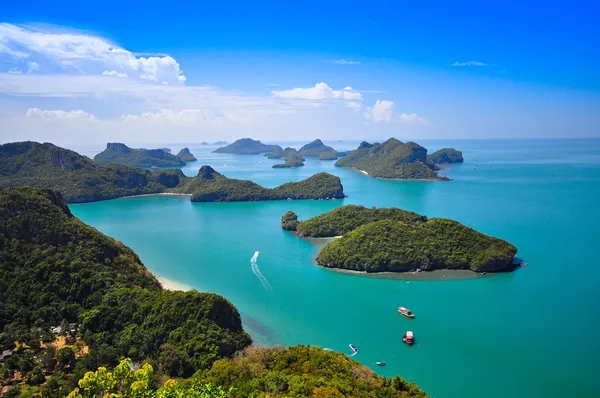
531,333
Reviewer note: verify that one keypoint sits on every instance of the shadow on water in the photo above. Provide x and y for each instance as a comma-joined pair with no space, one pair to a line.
257,328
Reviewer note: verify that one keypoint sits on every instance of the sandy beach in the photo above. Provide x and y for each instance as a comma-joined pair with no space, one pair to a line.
169,284
146,195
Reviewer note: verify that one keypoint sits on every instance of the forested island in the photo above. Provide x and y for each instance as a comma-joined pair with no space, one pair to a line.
186,155
248,146
446,156
211,186
290,155
118,153
81,180
377,240
75,302
394,159
317,149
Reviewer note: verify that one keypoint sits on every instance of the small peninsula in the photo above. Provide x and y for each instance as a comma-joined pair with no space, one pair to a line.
446,156
395,240
118,153
248,146
317,149
186,155
211,186
392,159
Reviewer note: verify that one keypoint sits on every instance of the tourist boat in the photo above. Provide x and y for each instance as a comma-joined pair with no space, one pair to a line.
406,312
353,347
380,363
408,338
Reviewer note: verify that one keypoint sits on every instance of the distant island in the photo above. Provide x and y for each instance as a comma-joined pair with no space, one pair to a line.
290,155
118,153
248,146
446,156
220,143
395,240
186,155
317,149
211,186
394,159
204,143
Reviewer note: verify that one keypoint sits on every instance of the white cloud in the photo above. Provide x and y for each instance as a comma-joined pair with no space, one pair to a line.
469,63
59,115
385,112
83,53
33,67
177,117
15,71
343,62
320,91
353,105
414,118
114,73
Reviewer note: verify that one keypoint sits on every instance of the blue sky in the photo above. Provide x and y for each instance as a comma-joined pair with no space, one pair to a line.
295,70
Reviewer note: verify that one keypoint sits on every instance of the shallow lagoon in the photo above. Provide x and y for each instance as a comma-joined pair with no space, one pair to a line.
528,333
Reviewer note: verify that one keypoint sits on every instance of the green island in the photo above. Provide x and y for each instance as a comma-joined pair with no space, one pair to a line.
393,159
211,186
80,180
395,240
317,149
186,155
118,153
248,146
81,316
290,155
446,156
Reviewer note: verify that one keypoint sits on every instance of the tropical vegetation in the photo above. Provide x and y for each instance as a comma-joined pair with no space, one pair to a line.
446,155
376,240
392,159
317,149
118,153
211,186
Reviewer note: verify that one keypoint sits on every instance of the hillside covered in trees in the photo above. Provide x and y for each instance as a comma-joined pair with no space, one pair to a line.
118,153
377,240
211,186
392,159
122,334
446,156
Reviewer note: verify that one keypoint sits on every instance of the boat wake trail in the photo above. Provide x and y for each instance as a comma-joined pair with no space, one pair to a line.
256,271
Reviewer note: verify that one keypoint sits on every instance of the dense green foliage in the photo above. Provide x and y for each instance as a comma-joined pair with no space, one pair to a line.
390,245
302,371
54,270
121,154
53,266
248,146
281,154
76,177
186,155
329,156
289,221
446,155
211,186
292,158
316,149
392,159
182,332
344,219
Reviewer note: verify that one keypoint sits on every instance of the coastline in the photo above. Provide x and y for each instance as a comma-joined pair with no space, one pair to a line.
169,284
435,275
148,195
397,179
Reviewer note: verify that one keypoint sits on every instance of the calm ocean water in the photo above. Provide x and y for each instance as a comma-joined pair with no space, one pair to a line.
531,333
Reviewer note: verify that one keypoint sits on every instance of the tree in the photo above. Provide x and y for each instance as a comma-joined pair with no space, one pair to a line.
37,377
49,358
65,356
